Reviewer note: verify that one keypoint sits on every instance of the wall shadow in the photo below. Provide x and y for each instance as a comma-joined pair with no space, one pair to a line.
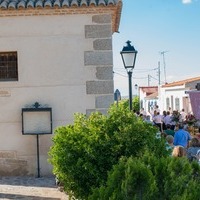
25,197
29,181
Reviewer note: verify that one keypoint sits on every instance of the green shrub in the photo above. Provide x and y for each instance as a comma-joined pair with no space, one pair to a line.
151,178
124,103
83,153
129,180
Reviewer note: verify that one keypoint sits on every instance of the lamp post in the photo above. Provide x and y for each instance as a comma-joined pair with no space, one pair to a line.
136,89
128,54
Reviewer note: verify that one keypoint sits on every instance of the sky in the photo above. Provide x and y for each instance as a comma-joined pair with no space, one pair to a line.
162,31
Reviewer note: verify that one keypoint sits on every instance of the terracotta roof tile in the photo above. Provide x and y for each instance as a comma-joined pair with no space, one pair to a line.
152,96
7,4
14,5
182,82
149,89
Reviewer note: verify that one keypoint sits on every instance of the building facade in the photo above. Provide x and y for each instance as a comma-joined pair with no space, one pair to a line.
148,97
171,96
57,53
175,96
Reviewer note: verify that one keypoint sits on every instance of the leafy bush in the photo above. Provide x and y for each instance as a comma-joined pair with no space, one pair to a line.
151,178
83,153
135,103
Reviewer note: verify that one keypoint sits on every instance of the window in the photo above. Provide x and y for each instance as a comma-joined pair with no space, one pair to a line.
177,104
8,66
167,103
172,102
141,104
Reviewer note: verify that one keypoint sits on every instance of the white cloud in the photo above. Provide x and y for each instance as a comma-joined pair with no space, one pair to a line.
186,1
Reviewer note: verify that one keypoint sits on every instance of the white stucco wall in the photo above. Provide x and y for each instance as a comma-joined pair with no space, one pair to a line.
51,71
176,92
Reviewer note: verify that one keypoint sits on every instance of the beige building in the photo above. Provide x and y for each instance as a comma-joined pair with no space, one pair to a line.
57,53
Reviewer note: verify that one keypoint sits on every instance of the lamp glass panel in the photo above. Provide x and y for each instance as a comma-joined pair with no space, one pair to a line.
37,122
129,59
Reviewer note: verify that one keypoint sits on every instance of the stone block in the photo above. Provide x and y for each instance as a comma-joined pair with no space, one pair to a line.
99,87
98,58
104,73
98,31
7,154
17,162
102,44
13,167
102,19
104,101
89,111
103,111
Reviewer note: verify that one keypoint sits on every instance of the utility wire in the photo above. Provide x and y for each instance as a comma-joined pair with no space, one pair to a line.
145,70
119,74
156,79
127,76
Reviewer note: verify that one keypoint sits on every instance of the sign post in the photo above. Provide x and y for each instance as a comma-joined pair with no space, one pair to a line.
37,120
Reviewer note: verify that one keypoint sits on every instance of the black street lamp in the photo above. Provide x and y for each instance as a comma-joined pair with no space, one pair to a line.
136,89
128,54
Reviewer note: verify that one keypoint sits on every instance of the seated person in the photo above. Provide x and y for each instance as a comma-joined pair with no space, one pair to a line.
169,131
194,146
198,134
169,142
179,151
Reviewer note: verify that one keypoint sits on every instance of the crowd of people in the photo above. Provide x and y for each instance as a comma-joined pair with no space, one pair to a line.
173,126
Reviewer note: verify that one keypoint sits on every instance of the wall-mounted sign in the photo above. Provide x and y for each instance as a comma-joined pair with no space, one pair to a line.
36,120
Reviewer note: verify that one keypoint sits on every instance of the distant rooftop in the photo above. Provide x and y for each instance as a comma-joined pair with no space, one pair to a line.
182,82
149,89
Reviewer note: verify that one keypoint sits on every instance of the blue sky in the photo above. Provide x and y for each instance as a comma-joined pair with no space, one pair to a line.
154,26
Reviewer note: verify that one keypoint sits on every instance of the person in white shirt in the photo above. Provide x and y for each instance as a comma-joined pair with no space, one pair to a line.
157,109
183,115
157,119
143,112
163,120
167,119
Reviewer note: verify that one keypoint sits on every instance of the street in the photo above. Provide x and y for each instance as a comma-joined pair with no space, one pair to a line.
30,188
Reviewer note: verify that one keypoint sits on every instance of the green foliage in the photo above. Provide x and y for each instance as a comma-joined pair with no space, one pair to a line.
78,152
135,103
129,180
151,178
83,153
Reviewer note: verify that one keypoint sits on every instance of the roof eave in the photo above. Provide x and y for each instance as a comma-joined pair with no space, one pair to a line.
117,18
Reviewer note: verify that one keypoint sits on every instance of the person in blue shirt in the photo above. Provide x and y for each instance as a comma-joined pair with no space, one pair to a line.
182,137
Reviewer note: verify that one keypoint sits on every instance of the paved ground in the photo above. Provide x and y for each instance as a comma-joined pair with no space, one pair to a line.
30,188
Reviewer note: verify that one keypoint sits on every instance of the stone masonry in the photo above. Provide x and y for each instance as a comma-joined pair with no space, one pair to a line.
101,58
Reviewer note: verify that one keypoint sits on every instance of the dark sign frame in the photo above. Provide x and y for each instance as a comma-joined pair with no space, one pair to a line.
31,110
39,128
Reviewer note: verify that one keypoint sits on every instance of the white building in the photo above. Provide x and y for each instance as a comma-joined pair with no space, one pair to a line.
57,53
148,97
174,95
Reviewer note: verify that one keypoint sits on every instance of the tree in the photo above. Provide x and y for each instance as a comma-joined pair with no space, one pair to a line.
135,102
84,152
129,180
151,178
